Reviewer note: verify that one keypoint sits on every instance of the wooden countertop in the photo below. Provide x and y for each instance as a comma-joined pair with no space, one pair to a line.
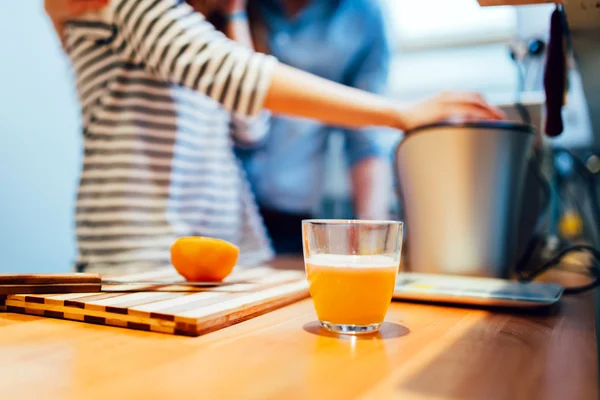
422,352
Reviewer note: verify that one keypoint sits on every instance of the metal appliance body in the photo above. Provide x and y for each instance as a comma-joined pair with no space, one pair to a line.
461,187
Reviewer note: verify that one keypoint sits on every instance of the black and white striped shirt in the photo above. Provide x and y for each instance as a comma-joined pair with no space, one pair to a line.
162,93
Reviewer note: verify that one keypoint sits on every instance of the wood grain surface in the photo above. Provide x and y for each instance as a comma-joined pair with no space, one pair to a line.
422,352
169,309
49,283
49,279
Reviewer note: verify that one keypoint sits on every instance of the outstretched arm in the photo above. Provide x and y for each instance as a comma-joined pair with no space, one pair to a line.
179,45
299,93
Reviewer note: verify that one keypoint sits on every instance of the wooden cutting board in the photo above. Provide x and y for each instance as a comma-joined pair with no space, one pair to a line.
174,310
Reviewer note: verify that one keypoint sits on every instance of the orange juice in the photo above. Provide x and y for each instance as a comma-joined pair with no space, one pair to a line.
351,289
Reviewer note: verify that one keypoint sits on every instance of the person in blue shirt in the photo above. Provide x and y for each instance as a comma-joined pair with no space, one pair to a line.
345,41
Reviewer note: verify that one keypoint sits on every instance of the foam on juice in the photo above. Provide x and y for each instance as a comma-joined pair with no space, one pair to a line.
352,261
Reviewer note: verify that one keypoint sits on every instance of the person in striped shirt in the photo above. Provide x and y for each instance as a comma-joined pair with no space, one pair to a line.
161,91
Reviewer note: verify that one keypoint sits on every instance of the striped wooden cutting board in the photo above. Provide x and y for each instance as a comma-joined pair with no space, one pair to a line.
174,310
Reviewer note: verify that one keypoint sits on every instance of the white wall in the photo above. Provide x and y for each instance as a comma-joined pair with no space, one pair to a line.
40,151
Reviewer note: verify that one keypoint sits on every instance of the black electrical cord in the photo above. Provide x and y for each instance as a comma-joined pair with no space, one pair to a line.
528,276
594,269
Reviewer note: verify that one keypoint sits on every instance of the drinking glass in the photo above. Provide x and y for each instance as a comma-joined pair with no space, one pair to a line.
351,268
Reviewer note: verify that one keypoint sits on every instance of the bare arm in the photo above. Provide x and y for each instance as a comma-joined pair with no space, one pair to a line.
371,197
202,60
299,93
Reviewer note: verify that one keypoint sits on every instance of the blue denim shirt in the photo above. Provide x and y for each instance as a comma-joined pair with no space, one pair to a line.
345,41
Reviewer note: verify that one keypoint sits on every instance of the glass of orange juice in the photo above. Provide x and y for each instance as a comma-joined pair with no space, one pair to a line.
351,267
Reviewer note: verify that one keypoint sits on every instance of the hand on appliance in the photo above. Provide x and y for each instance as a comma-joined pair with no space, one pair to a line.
455,106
